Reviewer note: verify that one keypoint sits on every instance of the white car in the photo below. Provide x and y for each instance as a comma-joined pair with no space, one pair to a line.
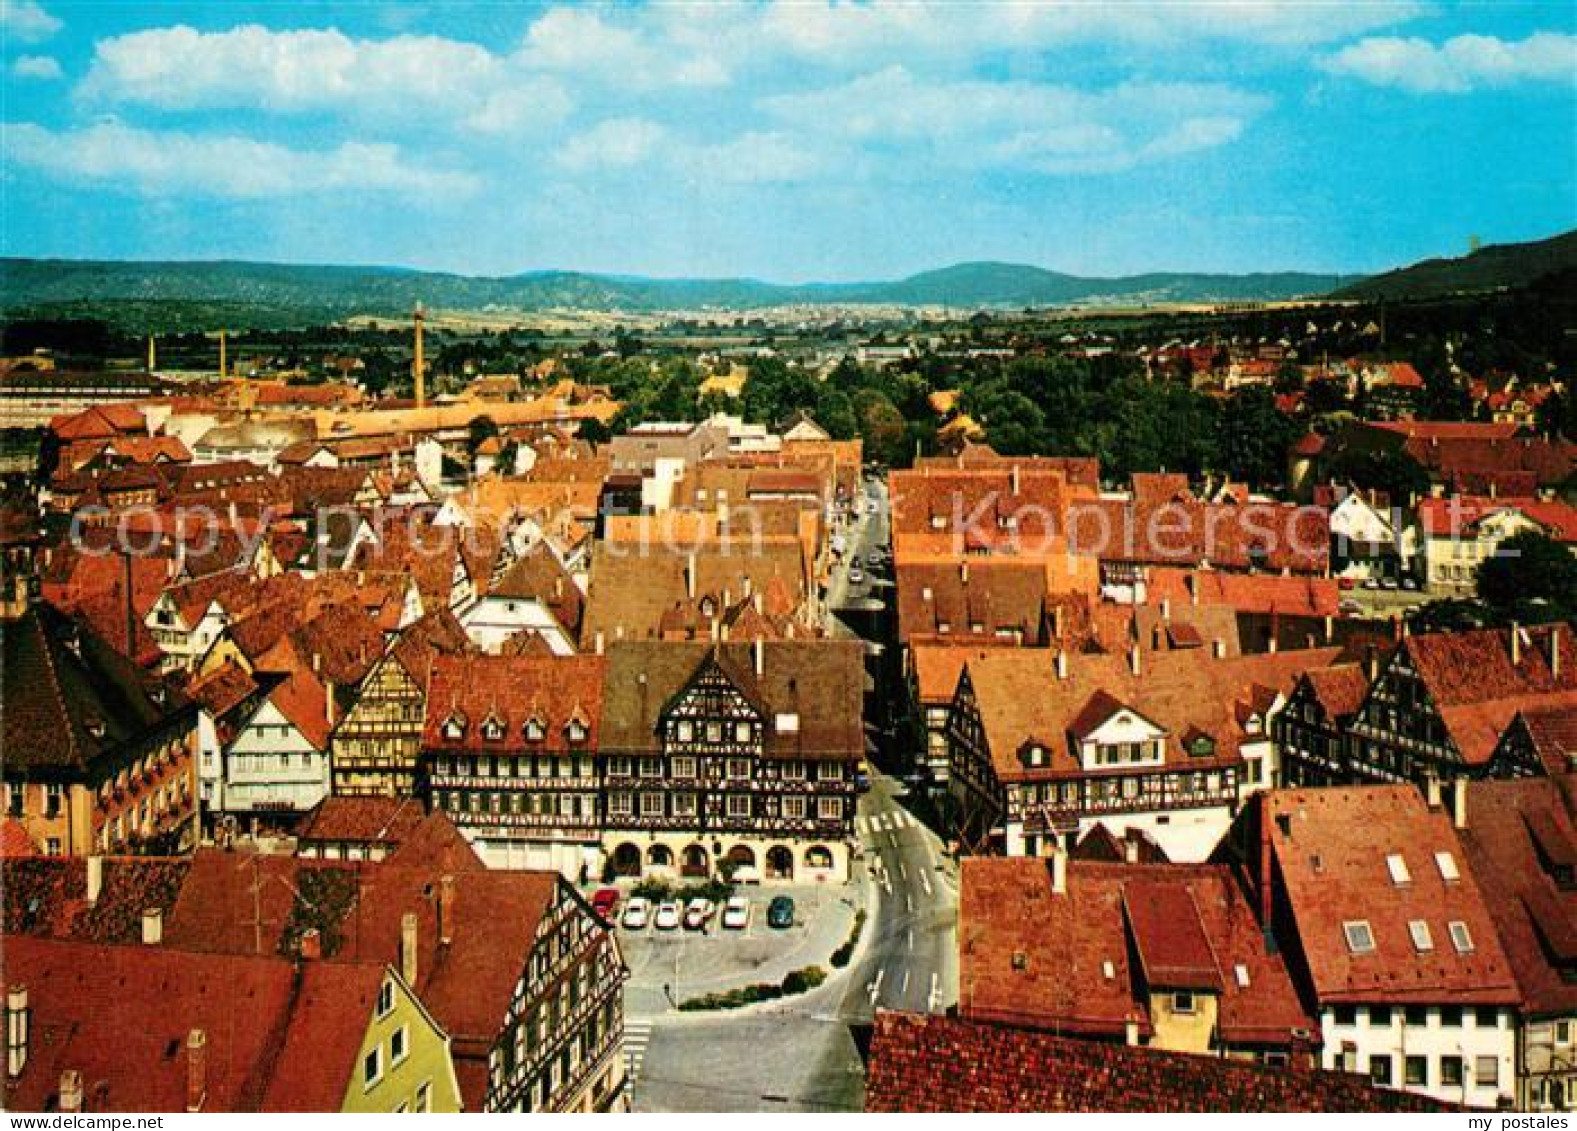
856,576
698,913
637,913
736,913
667,915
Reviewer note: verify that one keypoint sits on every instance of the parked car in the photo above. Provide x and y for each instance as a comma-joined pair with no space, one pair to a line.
698,913
1349,606
637,913
605,901
667,915
856,576
780,912
736,913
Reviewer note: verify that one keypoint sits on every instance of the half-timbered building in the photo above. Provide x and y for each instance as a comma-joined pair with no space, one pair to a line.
732,757
1440,705
509,752
376,747
1043,748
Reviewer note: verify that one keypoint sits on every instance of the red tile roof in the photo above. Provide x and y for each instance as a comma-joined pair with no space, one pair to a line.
1083,961
926,1063
513,692
1331,848
1521,845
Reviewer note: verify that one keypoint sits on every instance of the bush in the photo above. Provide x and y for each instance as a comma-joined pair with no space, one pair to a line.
795,982
654,890
841,956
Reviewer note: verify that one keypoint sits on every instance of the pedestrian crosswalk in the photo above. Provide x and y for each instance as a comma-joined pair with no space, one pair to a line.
637,1035
886,822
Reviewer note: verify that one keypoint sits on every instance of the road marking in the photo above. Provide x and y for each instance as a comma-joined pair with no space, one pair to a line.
637,1035
909,938
875,987
902,874
903,989
908,902
934,999
925,882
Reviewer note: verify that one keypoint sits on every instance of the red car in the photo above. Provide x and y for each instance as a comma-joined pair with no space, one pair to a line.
605,901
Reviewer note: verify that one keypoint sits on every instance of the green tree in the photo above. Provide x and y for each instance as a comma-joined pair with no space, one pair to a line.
481,429
1531,578
1385,469
882,428
1252,437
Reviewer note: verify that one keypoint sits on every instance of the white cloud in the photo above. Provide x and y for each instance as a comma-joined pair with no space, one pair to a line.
410,79
578,43
221,166
1461,64
44,67
617,143
755,157
1047,128
27,21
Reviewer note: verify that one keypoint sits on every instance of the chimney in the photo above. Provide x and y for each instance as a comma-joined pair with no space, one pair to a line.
1432,791
1555,651
1516,643
963,572
1059,871
761,657
1015,479
328,703
1136,660
1131,1032
689,577
1130,849
95,878
317,663
1372,663
446,910
311,943
70,1090
1166,609
1330,628
1459,804
408,969
196,1069
600,642
1062,664
152,926
1219,646
18,1025
1193,589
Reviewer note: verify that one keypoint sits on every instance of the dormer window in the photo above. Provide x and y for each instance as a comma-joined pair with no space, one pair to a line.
492,728
1034,755
454,726
535,730
1396,865
1461,937
1201,746
576,731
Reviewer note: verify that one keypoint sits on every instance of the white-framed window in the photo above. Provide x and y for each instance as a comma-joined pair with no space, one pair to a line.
619,804
1183,1002
385,999
424,1097
684,804
372,1067
577,732
714,732
399,1045
535,731
739,805
1423,941
794,808
829,808
1360,936
742,732
651,805
1448,867
793,771
739,768
1486,1071
829,771
684,767
651,767
1397,866
686,731
1461,937
618,767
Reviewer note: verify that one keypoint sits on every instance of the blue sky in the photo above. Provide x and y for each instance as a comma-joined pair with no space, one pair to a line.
787,140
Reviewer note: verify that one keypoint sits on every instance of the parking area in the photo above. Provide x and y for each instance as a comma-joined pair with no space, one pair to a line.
668,966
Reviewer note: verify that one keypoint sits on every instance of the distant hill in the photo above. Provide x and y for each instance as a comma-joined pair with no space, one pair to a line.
1489,268
341,291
